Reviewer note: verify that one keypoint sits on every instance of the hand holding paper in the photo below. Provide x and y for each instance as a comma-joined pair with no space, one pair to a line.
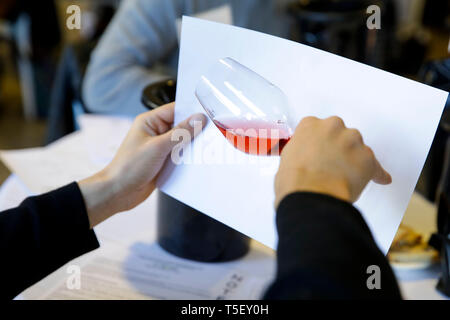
130,177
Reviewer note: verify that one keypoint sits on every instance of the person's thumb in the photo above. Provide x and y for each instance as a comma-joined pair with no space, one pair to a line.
182,133
381,176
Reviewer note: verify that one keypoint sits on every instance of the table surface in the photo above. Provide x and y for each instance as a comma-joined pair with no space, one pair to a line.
132,228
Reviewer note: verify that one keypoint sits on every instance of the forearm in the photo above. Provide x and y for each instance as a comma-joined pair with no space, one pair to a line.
117,90
141,34
41,235
324,250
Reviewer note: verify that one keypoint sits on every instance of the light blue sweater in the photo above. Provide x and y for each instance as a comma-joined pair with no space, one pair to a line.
140,46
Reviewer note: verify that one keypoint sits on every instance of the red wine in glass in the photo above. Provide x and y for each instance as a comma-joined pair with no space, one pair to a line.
256,137
252,113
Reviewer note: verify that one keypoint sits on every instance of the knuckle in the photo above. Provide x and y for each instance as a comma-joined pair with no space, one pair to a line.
355,136
309,119
336,122
140,118
369,153
306,121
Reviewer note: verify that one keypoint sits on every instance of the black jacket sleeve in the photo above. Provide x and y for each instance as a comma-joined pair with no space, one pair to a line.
41,235
324,250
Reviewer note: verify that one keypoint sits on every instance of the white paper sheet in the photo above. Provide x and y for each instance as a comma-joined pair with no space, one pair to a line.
12,193
71,158
50,167
396,116
145,271
222,14
103,135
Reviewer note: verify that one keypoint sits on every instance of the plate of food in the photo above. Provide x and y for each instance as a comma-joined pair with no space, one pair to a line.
410,250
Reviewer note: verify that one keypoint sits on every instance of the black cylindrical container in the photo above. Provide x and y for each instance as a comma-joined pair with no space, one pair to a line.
190,234
182,230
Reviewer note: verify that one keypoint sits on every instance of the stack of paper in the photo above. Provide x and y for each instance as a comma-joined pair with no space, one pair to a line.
74,157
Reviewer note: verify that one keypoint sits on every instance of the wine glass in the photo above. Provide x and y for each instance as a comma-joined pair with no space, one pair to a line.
251,112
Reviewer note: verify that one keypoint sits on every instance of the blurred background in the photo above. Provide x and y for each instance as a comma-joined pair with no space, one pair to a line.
42,63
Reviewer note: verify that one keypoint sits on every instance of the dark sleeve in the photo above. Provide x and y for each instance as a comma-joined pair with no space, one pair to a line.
324,250
41,235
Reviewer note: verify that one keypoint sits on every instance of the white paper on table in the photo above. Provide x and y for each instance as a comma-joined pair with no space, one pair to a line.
44,169
12,193
396,116
103,135
137,224
145,271
71,158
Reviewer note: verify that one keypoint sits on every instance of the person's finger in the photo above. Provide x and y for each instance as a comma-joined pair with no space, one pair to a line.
157,121
381,176
194,124
353,137
165,112
186,130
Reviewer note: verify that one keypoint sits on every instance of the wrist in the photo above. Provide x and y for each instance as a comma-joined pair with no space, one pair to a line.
298,180
99,193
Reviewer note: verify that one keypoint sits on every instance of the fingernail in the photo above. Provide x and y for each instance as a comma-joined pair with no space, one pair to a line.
196,118
389,178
